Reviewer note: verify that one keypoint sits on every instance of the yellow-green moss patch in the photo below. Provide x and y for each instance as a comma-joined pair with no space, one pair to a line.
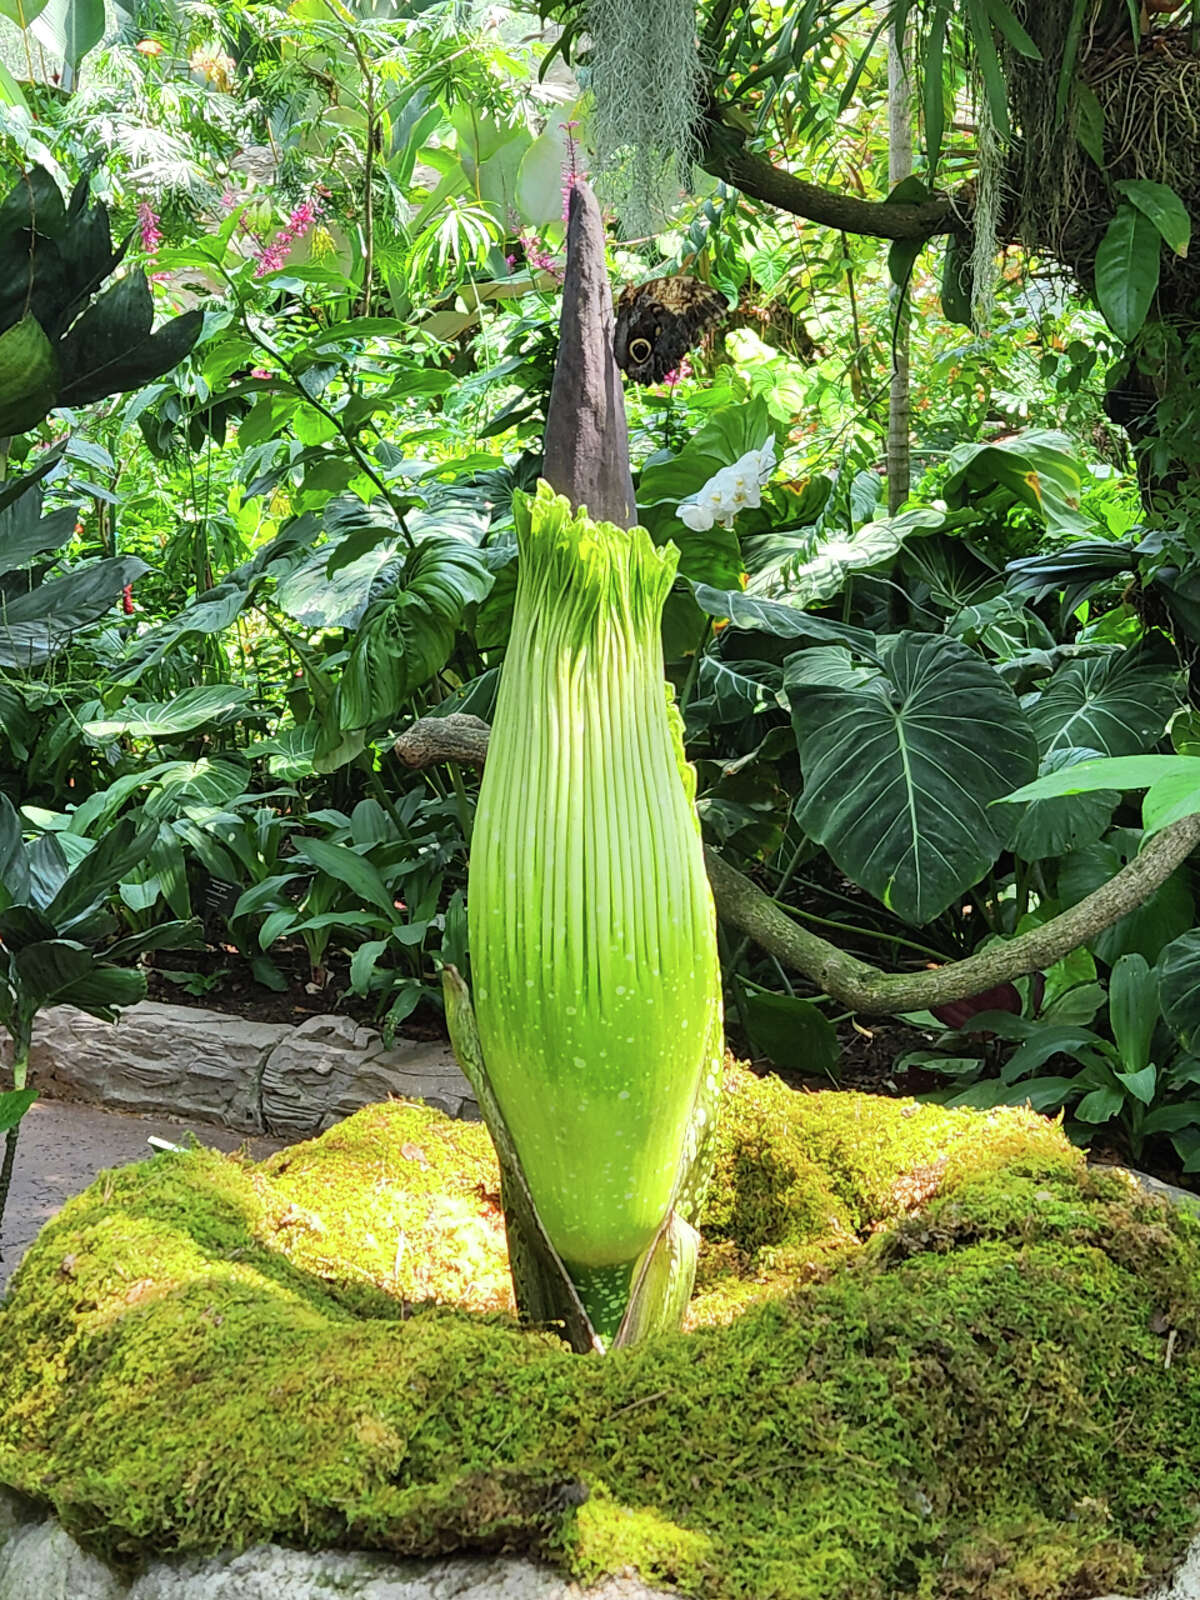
937,1367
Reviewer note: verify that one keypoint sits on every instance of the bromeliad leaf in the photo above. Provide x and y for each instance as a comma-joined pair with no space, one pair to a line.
901,765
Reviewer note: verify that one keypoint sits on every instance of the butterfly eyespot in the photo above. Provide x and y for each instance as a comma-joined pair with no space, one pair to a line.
640,350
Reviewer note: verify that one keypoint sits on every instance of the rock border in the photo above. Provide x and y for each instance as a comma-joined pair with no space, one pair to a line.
289,1082
39,1560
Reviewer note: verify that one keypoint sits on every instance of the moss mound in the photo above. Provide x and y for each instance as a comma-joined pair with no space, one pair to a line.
934,1357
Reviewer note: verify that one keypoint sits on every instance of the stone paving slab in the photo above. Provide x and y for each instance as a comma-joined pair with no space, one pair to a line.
63,1147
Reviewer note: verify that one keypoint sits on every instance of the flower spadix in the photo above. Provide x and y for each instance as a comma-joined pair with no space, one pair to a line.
593,944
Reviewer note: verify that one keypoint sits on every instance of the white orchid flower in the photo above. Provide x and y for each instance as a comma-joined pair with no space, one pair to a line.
734,488
696,516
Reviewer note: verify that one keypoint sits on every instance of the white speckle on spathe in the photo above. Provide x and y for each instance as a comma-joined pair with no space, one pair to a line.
620,988
580,1063
570,1011
624,1095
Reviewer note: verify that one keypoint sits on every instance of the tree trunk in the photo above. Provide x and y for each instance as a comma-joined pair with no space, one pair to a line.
900,165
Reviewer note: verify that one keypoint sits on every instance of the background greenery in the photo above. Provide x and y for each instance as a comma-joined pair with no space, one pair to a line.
276,341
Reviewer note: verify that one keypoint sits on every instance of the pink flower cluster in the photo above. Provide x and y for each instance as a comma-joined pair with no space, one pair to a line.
537,255
151,233
677,374
272,257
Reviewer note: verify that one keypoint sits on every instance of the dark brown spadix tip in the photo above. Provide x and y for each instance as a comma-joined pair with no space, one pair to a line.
587,439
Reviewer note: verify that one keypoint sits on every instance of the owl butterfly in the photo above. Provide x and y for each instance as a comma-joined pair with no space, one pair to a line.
660,321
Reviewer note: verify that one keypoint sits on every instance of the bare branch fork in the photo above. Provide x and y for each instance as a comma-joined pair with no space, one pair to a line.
857,984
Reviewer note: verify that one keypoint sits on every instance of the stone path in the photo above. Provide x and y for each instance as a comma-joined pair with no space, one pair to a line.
64,1146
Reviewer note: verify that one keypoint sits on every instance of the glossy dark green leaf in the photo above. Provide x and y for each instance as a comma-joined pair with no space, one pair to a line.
14,1103
1128,261
1179,986
900,766
792,1033
1115,704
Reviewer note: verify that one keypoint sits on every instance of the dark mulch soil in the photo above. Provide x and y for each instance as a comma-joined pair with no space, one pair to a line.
219,978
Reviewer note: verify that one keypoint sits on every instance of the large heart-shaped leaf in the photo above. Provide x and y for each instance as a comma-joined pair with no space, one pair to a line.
1112,704
727,436
36,626
1037,467
901,765
408,637
322,595
212,702
1146,929
1052,827
1179,985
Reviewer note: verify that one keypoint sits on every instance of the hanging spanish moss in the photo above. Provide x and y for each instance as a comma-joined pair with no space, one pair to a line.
645,79
986,218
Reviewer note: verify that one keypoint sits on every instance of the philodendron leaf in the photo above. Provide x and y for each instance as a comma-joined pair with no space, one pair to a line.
215,702
405,639
1179,986
1148,927
901,764
1127,268
793,1033
1051,826
1115,704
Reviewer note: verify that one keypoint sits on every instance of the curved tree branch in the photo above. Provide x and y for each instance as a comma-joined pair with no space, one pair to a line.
744,906
725,156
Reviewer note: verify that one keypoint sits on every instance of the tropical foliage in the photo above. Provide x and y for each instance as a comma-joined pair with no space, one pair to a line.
280,292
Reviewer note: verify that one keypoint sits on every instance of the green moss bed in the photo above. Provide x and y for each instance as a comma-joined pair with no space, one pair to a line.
931,1355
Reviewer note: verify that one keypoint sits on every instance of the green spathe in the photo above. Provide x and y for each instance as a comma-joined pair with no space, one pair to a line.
593,941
